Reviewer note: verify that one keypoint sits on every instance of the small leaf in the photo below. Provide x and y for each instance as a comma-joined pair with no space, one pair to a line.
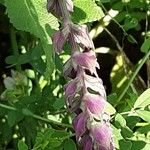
126,132
110,109
22,145
138,145
143,100
144,129
146,45
69,145
145,115
120,121
125,145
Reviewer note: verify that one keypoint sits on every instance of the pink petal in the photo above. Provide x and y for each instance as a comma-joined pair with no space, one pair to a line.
103,136
79,124
87,60
94,103
59,40
86,143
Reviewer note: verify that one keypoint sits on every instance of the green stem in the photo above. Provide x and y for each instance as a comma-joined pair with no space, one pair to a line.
38,117
134,75
14,46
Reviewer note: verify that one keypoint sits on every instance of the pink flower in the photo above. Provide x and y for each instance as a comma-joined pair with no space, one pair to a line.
79,124
94,103
87,60
102,134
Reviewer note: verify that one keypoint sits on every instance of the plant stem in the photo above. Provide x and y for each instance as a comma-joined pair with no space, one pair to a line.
14,46
38,117
134,75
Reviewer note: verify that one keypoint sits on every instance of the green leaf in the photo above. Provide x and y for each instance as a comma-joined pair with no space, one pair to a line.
126,132
69,145
144,129
143,100
14,117
145,115
32,16
110,109
146,45
86,11
22,145
138,145
125,145
120,121
59,103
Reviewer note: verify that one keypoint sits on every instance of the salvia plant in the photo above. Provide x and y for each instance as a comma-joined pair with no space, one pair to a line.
85,94
58,59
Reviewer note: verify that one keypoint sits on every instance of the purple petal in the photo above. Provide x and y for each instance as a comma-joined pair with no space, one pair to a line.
79,124
94,103
87,60
86,143
59,40
103,136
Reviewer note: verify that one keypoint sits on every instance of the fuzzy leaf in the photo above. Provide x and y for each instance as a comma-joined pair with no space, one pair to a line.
86,11
31,16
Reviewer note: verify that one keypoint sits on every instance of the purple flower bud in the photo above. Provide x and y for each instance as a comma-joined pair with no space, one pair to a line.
102,134
59,39
94,103
86,143
87,60
79,124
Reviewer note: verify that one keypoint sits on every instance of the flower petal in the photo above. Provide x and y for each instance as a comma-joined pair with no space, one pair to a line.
82,37
94,103
87,60
59,40
102,134
79,124
86,142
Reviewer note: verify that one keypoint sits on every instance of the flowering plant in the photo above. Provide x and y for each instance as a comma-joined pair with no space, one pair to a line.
84,94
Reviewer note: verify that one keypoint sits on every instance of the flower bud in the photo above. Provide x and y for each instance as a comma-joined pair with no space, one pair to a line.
79,124
102,134
86,143
87,60
94,103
